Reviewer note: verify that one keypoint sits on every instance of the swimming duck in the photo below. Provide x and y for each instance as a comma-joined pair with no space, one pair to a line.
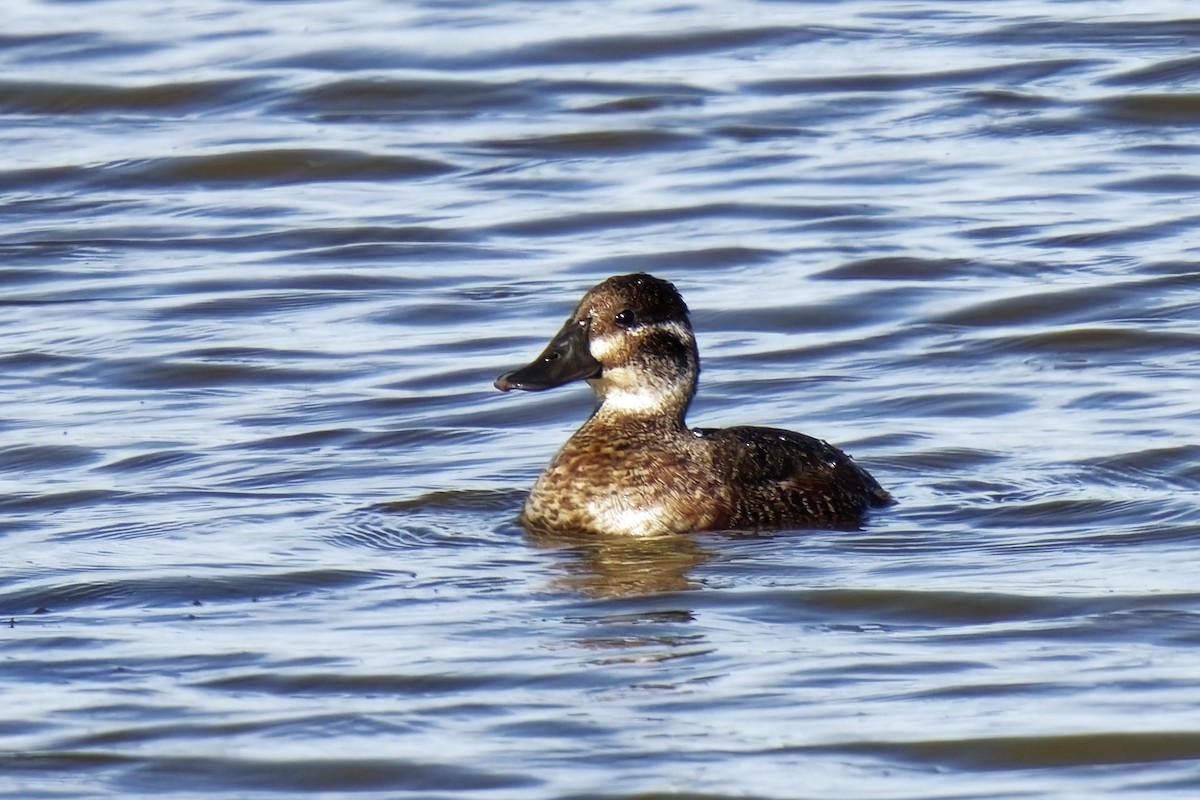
635,468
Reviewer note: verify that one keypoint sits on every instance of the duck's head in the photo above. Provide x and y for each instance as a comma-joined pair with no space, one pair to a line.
631,340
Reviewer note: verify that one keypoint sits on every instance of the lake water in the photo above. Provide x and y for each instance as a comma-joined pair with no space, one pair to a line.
260,262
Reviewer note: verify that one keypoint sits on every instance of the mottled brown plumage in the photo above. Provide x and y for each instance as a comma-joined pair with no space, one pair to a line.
636,468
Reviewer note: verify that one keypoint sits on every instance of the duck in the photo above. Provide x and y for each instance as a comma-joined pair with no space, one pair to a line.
635,468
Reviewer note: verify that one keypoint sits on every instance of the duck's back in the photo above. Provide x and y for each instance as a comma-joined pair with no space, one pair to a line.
780,478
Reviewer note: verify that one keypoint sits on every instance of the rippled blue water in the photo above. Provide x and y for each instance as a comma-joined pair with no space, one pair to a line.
260,262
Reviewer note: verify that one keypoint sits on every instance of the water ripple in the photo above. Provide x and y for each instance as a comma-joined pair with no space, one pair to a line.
272,167
173,590
1034,752
258,495
169,99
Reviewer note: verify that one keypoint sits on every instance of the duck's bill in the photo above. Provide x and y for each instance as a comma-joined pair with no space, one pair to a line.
565,359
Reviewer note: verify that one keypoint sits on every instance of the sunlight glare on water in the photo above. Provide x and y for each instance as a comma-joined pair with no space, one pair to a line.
261,263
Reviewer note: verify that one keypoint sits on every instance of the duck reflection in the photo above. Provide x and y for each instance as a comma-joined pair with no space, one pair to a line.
625,566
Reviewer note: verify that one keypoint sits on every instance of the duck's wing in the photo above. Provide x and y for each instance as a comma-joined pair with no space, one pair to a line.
783,478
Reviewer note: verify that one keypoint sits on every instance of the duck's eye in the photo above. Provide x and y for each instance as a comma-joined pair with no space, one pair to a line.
626,319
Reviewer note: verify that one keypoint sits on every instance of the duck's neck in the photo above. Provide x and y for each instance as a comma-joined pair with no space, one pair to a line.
643,404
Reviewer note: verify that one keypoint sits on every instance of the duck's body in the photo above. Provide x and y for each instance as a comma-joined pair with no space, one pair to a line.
635,468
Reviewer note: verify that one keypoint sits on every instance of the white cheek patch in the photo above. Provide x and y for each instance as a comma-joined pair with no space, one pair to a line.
677,328
604,346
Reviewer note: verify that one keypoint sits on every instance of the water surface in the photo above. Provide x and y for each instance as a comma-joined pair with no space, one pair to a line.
261,262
